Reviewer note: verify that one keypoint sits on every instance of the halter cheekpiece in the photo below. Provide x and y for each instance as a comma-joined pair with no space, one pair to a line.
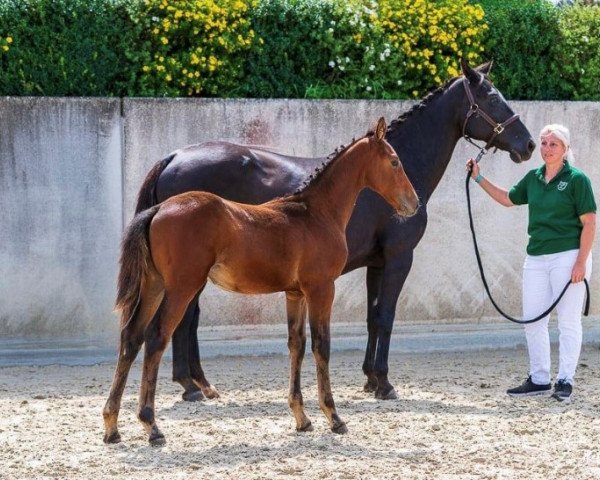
475,111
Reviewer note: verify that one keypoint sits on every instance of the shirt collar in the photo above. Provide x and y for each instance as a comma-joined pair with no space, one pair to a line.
541,171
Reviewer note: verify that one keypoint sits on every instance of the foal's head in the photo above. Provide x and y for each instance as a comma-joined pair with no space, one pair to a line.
386,175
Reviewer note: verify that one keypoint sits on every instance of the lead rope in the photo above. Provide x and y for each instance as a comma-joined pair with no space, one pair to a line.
487,289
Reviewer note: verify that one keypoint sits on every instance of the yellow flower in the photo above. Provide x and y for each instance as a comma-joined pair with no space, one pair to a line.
164,40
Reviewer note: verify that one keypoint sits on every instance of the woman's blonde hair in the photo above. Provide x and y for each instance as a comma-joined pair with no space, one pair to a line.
562,133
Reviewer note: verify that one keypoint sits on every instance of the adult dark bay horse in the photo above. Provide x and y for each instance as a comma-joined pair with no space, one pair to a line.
424,137
295,244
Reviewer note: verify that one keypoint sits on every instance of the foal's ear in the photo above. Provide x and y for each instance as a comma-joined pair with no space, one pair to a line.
380,129
470,73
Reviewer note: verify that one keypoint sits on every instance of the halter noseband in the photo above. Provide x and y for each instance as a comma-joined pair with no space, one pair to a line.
474,110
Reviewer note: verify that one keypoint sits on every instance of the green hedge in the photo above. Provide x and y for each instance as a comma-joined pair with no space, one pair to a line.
67,47
291,54
523,40
543,52
294,48
193,47
579,59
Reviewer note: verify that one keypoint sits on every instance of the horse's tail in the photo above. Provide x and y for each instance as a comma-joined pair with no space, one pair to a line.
147,194
135,263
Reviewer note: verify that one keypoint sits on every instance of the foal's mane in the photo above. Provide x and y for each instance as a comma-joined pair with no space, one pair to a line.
317,174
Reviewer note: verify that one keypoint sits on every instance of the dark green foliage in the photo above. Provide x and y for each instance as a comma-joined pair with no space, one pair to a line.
300,48
293,55
579,61
67,47
523,39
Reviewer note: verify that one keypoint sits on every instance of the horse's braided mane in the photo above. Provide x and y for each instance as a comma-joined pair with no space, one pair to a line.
318,172
421,105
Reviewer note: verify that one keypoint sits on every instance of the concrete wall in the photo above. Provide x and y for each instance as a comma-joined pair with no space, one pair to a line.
60,208
61,199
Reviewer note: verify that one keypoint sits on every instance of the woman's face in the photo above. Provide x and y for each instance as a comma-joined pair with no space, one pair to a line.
552,149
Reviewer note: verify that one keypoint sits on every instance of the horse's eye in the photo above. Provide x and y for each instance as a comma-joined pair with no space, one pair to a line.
395,163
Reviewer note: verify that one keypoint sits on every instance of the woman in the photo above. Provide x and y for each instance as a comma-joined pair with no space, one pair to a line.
562,225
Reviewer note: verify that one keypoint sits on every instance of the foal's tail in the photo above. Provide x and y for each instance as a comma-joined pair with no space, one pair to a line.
147,194
135,262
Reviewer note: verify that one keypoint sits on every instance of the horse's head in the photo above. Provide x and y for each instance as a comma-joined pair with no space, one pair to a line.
385,174
489,118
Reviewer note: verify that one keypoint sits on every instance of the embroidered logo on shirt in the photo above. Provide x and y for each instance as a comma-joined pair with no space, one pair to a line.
562,185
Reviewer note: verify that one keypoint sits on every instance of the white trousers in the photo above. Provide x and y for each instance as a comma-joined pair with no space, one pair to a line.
544,277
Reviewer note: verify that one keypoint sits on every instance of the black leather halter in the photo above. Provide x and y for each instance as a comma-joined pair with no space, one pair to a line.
475,111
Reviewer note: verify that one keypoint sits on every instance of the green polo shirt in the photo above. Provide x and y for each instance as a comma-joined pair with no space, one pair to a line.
554,208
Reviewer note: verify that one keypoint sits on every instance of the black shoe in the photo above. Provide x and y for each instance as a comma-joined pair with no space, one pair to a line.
528,389
562,391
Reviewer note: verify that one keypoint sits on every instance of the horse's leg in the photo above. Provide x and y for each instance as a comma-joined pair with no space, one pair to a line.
195,367
394,275
373,285
183,341
319,299
187,369
157,337
132,337
296,317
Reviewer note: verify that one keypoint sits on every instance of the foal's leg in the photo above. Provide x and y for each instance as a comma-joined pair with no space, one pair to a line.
296,315
132,337
319,300
158,334
373,284
157,337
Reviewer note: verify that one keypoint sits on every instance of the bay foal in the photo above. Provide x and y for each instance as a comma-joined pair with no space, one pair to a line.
295,244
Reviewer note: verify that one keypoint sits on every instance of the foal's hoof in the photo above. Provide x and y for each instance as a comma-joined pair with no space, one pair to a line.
192,396
339,428
210,392
113,437
157,439
391,395
307,427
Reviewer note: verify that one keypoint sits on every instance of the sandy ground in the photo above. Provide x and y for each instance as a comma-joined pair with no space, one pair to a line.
452,421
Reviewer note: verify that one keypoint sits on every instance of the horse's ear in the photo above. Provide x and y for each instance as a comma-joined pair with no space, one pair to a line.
485,68
380,129
470,73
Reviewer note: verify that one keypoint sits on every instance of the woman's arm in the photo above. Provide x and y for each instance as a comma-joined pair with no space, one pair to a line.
497,193
586,240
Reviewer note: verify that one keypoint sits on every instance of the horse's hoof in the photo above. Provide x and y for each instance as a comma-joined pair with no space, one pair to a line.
339,428
157,439
307,427
210,392
113,437
391,395
193,396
